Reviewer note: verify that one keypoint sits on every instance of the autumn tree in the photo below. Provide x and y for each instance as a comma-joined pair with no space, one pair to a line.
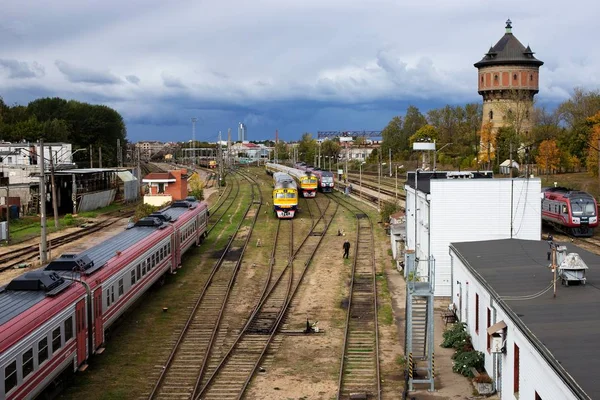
548,158
594,137
487,146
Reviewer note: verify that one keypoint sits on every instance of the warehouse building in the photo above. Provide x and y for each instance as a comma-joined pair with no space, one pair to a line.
460,206
536,345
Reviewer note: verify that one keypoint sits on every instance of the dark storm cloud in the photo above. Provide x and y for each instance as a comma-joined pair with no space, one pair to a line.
20,69
171,81
77,74
133,79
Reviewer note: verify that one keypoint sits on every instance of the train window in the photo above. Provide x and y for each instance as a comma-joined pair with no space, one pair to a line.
564,209
68,328
139,272
107,298
132,277
56,340
120,287
10,376
42,350
27,362
112,294
169,248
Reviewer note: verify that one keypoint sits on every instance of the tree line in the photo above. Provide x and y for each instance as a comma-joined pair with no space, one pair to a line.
59,120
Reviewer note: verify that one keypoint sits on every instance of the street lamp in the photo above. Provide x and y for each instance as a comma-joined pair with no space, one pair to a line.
360,177
397,168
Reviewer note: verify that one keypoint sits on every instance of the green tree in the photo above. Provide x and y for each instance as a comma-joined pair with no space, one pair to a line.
392,137
307,148
426,133
282,151
413,121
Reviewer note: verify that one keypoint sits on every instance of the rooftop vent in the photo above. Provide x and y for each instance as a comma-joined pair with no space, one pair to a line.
149,221
161,216
71,262
49,282
180,204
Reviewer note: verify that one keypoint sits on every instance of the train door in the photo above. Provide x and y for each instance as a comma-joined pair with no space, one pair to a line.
81,332
98,326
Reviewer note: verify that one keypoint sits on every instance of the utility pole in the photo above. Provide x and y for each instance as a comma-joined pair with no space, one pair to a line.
43,243
99,156
229,147
346,164
390,153
319,162
91,156
119,154
276,143
194,119
510,166
553,266
220,162
54,200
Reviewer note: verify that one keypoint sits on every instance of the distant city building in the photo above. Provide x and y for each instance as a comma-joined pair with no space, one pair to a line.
149,148
508,78
242,132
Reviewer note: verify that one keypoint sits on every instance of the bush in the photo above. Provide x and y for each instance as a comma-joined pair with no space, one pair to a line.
456,336
143,210
482,378
465,361
68,220
197,193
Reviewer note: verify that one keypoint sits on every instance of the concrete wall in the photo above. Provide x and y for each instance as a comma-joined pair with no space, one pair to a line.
462,210
535,374
158,200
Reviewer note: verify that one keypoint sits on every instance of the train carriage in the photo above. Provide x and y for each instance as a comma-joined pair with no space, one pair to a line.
569,210
307,182
53,319
285,195
324,178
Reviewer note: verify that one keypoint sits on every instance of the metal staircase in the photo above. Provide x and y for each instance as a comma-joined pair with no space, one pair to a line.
419,320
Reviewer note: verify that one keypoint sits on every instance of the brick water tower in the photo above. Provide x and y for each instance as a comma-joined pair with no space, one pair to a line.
508,79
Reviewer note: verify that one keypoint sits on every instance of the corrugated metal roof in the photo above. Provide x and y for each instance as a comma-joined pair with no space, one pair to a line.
13,303
126,176
568,325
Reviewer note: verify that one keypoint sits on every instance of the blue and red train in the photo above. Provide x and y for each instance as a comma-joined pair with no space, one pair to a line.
53,319
325,178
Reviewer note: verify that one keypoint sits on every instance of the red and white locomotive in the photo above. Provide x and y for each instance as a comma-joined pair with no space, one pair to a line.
53,319
569,210
325,178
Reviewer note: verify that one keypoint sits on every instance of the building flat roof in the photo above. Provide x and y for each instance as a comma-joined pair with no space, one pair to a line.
564,329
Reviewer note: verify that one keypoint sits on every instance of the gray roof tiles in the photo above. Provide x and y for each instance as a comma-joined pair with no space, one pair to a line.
568,325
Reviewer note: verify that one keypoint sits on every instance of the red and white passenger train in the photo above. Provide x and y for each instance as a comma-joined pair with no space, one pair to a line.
569,210
53,319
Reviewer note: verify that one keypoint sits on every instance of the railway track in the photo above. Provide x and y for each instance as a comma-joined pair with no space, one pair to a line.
375,187
28,253
180,377
359,364
229,378
222,207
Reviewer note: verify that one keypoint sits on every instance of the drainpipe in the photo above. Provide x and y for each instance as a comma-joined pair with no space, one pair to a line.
494,355
90,320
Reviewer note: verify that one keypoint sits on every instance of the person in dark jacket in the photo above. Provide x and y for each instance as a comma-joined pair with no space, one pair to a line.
346,248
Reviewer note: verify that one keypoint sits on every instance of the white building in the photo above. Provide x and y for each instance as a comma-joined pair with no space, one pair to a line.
466,206
242,132
545,346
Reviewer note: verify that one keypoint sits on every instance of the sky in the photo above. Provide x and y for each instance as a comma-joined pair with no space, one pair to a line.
291,65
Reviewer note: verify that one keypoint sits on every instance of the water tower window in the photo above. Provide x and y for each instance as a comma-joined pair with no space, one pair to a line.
482,79
515,77
496,78
531,77
491,114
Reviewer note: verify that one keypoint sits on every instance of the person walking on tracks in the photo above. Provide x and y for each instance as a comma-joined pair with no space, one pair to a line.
346,248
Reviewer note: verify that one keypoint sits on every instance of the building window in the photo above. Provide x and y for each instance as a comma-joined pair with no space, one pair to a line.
515,77
161,186
516,370
27,362
132,277
496,78
489,323
10,376
481,79
476,313
531,77
491,115
42,350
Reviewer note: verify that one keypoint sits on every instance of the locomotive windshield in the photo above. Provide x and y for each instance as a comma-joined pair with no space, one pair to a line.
327,179
583,207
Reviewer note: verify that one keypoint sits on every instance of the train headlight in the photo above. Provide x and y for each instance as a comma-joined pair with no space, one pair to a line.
593,220
575,220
